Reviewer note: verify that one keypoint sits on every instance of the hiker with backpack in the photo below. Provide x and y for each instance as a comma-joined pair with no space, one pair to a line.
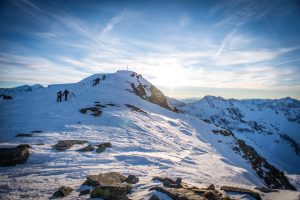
96,81
66,93
59,96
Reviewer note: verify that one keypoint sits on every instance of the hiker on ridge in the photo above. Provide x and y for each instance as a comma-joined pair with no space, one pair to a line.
96,81
66,92
59,95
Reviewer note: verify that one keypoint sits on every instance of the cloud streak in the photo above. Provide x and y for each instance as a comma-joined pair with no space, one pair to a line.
189,57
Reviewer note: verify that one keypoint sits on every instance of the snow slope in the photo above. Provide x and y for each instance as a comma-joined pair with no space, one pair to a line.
158,142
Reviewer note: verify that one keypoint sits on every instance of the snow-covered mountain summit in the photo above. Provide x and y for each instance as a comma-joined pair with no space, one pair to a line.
148,137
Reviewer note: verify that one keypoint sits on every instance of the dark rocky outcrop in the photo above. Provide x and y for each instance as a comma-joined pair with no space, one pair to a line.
96,111
84,192
168,182
271,175
211,187
136,109
223,132
105,179
63,191
101,147
241,190
156,96
67,144
87,148
111,192
132,179
13,156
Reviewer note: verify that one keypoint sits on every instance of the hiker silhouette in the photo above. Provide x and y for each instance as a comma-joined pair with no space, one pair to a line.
66,92
59,96
96,81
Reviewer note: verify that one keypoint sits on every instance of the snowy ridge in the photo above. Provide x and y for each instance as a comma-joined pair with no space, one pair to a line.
155,141
271,126
23,88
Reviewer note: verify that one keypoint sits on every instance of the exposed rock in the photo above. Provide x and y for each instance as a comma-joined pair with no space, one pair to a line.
84,192
62,192
136,109
106,144
241,190
111,192
67,144
168,182
132,179
13,156
223,132
96,111
156,97
87,148
109,186
178,181
24,135
211,187
105,179
271,175
266,190
101,148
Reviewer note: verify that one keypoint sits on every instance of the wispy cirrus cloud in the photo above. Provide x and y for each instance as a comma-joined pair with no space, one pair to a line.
246,57
172,56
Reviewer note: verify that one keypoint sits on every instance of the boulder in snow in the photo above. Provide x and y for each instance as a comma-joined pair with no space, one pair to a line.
62,192
13,156
103,146
109,186
87,148
110,178
112,192
67,144
132,179
168,182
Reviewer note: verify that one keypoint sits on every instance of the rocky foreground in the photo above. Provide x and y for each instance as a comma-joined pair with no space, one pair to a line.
116,186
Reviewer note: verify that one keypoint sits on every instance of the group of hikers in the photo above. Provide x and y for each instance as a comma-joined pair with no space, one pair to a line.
97,80
61,94
65,93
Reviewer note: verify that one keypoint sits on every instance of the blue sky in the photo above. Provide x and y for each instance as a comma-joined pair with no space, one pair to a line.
238,49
